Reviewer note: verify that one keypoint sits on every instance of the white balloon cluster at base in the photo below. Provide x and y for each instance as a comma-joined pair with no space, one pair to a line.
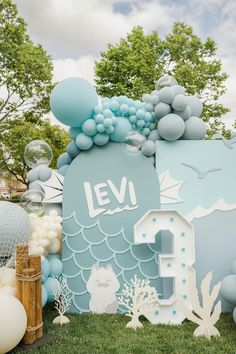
45,236
7,281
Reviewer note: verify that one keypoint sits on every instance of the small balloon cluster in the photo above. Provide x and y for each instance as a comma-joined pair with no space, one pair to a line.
167,113
46,233
228,289
52,268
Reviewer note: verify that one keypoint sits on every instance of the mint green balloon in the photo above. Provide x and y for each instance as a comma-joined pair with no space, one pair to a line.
72,101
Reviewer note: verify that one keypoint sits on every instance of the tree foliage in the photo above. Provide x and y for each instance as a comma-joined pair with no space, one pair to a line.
15,139
132,67
25,70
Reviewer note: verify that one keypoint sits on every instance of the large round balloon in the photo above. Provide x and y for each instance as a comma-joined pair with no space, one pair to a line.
72,101
122,128
195,129
228,289
13,322
195,104
171,127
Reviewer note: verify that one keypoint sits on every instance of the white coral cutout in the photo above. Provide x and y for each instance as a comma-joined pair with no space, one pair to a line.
206,315
139,298
62,296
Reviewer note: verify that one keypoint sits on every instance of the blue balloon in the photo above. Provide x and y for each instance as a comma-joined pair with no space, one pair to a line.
234,315
62,170
166,94
178,90
195,104
56,267
44,296
195,129
45,173
63,159
162,109
114,105
146,131
53,255
49,285
154,135
179,103
73,132
185,114
171,127
45,269
36,185
122,128
72,101
89,127
101,139
84,142
148,148
228,289
155,100
33,174
72,149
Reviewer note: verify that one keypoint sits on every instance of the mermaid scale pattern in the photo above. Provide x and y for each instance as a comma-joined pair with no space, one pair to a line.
81,251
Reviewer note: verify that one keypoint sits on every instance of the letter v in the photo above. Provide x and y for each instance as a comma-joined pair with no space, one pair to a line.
120,195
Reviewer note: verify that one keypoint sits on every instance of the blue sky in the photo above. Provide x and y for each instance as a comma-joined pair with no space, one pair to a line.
75,31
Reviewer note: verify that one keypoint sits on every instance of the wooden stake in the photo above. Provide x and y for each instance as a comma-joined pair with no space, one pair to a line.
28,300
22,253
35,262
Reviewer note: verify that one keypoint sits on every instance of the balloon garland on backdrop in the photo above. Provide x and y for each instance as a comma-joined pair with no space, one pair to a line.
167,113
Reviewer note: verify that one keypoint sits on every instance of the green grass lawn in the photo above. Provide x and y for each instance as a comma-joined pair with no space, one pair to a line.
92,334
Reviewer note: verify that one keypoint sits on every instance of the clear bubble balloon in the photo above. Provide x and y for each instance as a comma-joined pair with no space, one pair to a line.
165,80
38,152
32,201
133,141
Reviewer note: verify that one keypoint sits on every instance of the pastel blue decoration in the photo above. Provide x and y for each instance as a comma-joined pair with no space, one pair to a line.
72,149
84,142
15,228
196,105
103,234
195,129
171,127
49,284
179,102
62,170
45,173
45,268
73,132
53,256
89,127
228,289
64,159
56,267
178,90
148,148
101,139
122,128
185,114
166,95
36,185
234,315
154,135
162,109
33,174
72,101
200,200
44,296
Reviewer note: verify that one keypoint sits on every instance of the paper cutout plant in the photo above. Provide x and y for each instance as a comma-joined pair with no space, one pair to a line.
139,298
62,296
205,316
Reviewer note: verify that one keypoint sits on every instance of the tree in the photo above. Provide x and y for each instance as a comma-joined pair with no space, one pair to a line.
15,139
25,70
133,65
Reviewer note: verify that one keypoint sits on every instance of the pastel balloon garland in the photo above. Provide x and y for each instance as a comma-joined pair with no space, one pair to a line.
167,113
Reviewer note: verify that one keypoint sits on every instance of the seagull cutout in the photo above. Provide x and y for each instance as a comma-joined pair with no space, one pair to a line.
201,174
228,143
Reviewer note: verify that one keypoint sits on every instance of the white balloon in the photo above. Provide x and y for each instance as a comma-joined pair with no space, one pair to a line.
9,278
9,290
13,322
54,247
